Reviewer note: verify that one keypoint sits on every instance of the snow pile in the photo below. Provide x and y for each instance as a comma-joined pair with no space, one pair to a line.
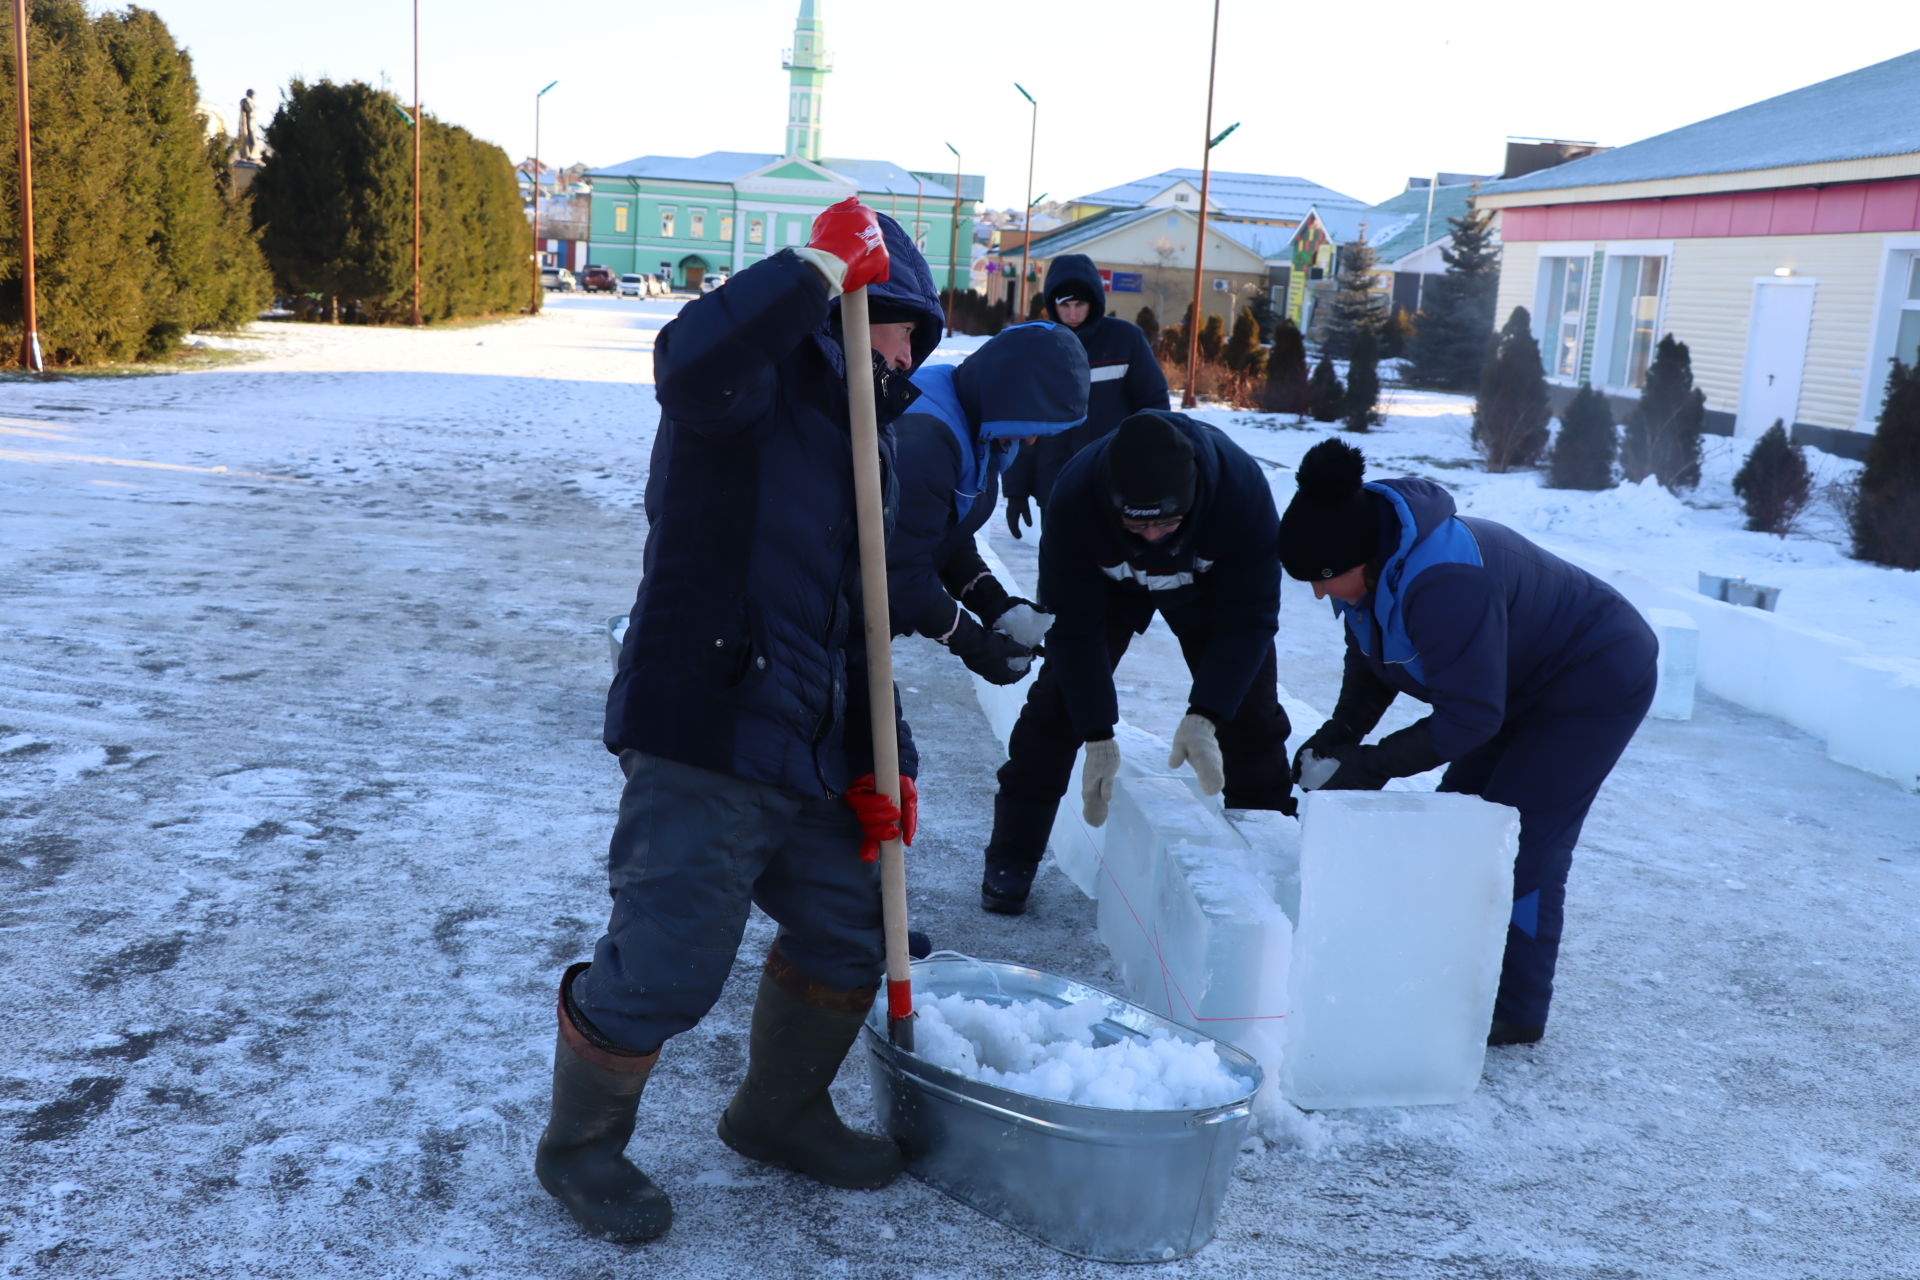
1048,1051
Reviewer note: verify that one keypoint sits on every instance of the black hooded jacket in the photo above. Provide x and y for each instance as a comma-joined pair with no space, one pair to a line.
1126,379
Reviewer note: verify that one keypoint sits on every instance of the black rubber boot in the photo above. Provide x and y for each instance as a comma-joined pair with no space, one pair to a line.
782,1114
581,1159
1019,841
1514,1033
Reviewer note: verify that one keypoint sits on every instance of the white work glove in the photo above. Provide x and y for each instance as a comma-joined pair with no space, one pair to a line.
1194,742
1024,624
1316,770
1097,772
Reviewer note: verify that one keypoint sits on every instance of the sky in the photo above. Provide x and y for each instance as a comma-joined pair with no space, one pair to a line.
1357,104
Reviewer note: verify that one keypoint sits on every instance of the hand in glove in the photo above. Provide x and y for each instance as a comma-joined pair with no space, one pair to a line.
995,658
1019,511
1194,742
1320,746
847,247
1354,771
879,819
1097,772
1024,622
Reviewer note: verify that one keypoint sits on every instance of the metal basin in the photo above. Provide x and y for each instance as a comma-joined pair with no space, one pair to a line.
1114,1186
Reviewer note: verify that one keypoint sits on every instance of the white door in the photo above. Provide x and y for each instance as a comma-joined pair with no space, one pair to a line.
1776,355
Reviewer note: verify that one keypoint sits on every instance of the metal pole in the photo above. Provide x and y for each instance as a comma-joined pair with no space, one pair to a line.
1033,135
1426,239
953,240
1187,400
416,162
916,216
533,301
30,314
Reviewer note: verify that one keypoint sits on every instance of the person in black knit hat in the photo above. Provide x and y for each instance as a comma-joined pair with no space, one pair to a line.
1538,674
1168,516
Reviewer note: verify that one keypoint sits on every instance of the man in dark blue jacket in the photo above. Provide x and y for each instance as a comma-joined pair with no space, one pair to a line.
1168,516
1030,381
738,714
1538,674
1125,373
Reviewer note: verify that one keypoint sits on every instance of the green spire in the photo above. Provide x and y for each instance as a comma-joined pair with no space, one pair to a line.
807,65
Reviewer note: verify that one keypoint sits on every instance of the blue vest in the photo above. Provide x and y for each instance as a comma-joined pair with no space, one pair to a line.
1449,542
979,459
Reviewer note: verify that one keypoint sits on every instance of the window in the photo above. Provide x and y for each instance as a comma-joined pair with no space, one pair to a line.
697,223
1182,197
795,229
756,231
666,221
1563,309
920,236
726,226
1906,338
1632,315
620,217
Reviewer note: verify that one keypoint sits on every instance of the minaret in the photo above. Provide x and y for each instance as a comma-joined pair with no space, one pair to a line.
807,61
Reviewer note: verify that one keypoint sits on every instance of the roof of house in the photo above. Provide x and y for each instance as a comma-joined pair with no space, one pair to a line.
731,166
1401,226
1234,195
1857,116
1069,238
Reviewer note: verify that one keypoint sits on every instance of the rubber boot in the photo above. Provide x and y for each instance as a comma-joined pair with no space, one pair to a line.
1019,841
581,1158
782,1114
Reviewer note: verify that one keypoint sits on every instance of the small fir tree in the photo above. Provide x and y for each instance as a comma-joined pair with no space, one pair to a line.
1394,332
1773,483
1325,394
1448,347
1149,325
1588,442
1360,406
1356,304
1286,386
1213,340
1886,510
1244,343
1511,414
1662,438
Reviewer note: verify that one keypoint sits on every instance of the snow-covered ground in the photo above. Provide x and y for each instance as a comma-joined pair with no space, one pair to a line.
302,809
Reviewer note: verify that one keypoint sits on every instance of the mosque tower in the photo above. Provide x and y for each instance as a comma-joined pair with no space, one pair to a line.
807,62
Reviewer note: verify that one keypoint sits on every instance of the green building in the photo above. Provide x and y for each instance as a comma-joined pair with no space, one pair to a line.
686,217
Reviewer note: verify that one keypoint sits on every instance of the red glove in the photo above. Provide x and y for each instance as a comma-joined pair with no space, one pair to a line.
879,820
851,232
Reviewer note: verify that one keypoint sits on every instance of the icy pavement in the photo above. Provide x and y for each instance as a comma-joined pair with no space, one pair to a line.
302,809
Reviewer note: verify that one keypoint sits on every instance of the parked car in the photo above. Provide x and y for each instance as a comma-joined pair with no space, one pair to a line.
596,279
712,281
558,279
635,286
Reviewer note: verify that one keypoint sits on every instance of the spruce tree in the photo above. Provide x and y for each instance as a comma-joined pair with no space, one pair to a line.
1588,442
1774,483
1244,342
1510,415
1326,396
1663,432
1213,340
1451,334
1286,385
1148,324
1356,304
1886,508
1359,408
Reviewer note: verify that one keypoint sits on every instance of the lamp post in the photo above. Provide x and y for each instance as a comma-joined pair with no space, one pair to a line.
1187,400
29,316
953,239
416,163
1033,135
1426,242
533,302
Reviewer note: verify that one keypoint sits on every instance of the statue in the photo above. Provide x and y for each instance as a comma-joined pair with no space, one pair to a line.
249,143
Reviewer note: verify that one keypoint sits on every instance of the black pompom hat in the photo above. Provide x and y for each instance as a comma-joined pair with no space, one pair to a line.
1332,525
1150,468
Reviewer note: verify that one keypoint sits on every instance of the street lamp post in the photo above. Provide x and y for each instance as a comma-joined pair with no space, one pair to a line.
1033,135
416,163
533,302
1187,400
30,316
953,239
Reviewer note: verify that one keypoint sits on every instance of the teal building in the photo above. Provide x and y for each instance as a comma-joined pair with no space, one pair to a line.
687,217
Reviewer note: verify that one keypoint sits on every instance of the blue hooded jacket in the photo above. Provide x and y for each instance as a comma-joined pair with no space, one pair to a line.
743,654
1481,623
1030,380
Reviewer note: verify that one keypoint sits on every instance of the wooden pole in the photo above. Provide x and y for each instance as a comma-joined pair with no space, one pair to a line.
873,586
416,162
30,314
953,240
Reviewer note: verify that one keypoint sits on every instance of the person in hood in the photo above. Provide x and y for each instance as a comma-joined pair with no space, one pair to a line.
1168,516
1027,383
1538,674
738,713
1126,380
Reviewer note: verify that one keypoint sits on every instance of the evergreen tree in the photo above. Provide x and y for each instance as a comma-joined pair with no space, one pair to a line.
1511,413
1286,385
1326,397
1886,509
1264,315
1394,332
1588,442
1359,408
1448,347
1663,431
1356,304
1213,339
1148,324
1774,484
1244,342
